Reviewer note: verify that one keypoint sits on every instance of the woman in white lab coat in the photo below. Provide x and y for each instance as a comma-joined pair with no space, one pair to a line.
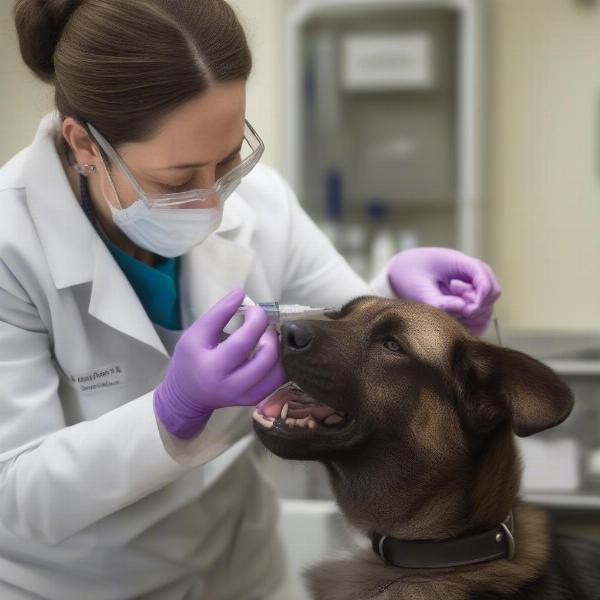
124,462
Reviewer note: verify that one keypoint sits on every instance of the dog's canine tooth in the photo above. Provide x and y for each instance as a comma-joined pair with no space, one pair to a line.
284,411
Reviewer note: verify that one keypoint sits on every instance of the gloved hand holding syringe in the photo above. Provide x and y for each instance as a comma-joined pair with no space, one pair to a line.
220,364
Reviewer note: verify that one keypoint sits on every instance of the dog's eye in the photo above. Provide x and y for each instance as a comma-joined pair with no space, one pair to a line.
392,344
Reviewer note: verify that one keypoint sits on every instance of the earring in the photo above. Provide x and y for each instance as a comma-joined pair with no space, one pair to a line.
85,169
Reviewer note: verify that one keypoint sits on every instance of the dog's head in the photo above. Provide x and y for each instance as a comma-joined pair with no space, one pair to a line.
405,407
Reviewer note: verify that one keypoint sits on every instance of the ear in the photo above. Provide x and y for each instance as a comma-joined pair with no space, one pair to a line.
495,385
77,137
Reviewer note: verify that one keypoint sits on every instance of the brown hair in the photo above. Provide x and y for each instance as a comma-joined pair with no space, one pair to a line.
122,65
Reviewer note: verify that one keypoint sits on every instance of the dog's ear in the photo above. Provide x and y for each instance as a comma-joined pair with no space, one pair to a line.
495,384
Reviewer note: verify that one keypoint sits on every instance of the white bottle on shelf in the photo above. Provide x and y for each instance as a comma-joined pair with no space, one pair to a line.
407,239
383,249
353,247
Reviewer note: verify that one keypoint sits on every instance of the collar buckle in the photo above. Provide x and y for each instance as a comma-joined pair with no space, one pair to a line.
508,535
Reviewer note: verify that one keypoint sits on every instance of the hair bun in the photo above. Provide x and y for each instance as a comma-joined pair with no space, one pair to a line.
40,24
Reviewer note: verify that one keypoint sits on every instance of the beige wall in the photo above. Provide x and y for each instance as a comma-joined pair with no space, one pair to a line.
544,206
543,203
266,105
22,98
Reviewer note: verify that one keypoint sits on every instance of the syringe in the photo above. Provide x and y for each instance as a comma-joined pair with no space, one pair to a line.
277,313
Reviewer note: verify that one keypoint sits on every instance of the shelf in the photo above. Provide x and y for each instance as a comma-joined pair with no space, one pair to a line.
574,367
564,501
293,506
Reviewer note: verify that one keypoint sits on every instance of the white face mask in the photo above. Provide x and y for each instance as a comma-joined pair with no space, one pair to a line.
157,223
168,232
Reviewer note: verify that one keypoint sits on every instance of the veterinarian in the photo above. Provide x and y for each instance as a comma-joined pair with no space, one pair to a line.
130,231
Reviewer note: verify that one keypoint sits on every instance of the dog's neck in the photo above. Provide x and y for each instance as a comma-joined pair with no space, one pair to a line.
365,576
438,506
448,504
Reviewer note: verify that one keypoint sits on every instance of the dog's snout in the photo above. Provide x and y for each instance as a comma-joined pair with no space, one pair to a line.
296,336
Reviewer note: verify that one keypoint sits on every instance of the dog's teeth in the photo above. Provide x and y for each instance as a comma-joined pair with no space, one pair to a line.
262,420
308,421
284,411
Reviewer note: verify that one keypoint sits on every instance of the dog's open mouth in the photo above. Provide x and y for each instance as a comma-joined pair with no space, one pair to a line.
290,409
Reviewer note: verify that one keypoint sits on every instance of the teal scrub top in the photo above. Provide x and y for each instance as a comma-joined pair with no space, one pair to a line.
155,286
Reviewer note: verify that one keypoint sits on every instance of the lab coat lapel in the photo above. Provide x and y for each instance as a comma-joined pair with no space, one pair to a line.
114,302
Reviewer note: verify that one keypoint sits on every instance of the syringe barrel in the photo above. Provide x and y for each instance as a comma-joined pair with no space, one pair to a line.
278,313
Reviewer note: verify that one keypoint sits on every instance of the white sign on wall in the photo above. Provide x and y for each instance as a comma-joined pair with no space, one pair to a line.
387,61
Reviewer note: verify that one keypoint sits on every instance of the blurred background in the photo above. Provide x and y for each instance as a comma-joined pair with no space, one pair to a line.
472,124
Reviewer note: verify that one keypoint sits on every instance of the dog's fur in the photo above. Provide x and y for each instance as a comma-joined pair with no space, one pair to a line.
431,454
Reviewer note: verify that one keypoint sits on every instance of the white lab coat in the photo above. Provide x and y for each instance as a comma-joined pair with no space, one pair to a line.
96,500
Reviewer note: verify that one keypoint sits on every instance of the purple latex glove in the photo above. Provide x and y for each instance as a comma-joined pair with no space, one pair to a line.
463,286
205,375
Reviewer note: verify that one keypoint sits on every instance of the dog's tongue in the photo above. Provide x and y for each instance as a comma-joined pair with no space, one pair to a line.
272,406
300,405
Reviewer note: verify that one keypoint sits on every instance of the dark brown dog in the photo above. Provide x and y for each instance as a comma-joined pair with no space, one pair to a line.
414,420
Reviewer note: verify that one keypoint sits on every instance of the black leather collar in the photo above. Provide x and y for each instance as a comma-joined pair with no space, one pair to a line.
430,554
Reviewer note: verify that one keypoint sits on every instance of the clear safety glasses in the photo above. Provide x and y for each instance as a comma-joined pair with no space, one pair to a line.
248,157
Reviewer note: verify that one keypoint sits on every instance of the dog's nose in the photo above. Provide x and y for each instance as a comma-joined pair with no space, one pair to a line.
296,336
